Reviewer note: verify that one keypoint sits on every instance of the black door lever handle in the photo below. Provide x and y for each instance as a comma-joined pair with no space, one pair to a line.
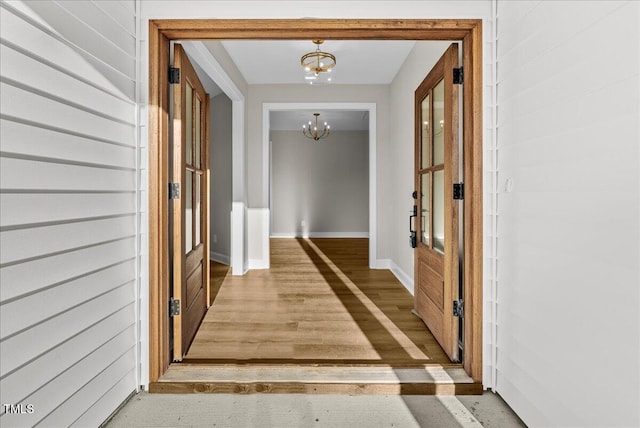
413,239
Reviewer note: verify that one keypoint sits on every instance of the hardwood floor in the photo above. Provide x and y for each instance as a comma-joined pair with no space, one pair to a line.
318,321
318,304
219,273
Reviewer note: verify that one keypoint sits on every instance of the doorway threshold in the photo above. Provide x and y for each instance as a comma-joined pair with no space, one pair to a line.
429,379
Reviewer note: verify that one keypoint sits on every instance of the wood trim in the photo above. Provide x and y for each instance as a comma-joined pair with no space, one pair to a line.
180,268
405,388
344,29
472,63
161,31
158,147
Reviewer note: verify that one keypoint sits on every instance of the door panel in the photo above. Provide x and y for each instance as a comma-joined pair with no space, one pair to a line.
436,169
190,211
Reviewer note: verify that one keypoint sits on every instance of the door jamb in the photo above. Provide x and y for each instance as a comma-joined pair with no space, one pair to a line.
162,31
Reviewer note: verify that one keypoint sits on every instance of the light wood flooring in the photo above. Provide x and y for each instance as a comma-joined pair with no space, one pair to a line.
219,273
318,321
319,304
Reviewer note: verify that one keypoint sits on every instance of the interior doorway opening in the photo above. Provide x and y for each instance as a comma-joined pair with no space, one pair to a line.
162,31
369,113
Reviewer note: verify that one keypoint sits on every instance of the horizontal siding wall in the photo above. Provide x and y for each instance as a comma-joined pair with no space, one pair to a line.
69,210
568,211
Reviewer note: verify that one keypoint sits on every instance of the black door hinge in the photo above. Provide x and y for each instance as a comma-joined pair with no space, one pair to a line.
174,307
458,76
458,190
174,190
458,308
174,75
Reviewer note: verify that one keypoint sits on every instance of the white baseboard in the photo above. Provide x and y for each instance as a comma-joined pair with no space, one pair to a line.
258,264
405,279
321,235
220,258
382,264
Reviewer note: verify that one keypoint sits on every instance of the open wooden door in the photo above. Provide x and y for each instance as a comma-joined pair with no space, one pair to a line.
190,204
436,171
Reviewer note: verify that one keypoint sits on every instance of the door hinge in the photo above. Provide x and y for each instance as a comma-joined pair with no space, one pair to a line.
458,190
458,76
174,190
174,75
458,308
174,307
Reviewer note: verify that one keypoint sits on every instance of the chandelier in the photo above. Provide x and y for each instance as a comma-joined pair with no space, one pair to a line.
315,133
317,65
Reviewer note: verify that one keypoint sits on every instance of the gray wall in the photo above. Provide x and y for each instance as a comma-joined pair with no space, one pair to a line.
325,183
221,178
69,236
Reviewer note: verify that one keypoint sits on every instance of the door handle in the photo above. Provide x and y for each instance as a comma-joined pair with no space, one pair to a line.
413,239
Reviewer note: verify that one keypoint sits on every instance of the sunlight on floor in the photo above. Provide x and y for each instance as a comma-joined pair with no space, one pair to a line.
402,339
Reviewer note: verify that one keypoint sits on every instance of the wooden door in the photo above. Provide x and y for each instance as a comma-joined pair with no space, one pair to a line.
190,209
436,170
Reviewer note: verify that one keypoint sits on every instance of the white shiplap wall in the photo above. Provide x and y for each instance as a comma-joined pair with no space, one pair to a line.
568,211
69,210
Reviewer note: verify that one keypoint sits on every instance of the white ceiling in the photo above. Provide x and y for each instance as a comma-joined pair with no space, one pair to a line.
358,62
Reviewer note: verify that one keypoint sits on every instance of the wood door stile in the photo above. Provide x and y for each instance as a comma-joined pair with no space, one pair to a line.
190,267
163,31
436,269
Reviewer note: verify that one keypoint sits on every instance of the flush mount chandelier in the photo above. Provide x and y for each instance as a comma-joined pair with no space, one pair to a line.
317,65
315,133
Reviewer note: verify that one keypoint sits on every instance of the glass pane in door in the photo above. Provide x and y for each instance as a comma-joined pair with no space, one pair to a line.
198,208
425,134
189,125
438,211
425,217
198,134
188,214
438,123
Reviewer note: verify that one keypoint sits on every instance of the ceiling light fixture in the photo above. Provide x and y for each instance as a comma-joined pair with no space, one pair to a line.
317,65
314,133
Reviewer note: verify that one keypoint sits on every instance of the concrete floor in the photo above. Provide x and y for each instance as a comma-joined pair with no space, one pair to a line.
298,410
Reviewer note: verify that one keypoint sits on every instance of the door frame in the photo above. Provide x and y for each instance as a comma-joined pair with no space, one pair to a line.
162,31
